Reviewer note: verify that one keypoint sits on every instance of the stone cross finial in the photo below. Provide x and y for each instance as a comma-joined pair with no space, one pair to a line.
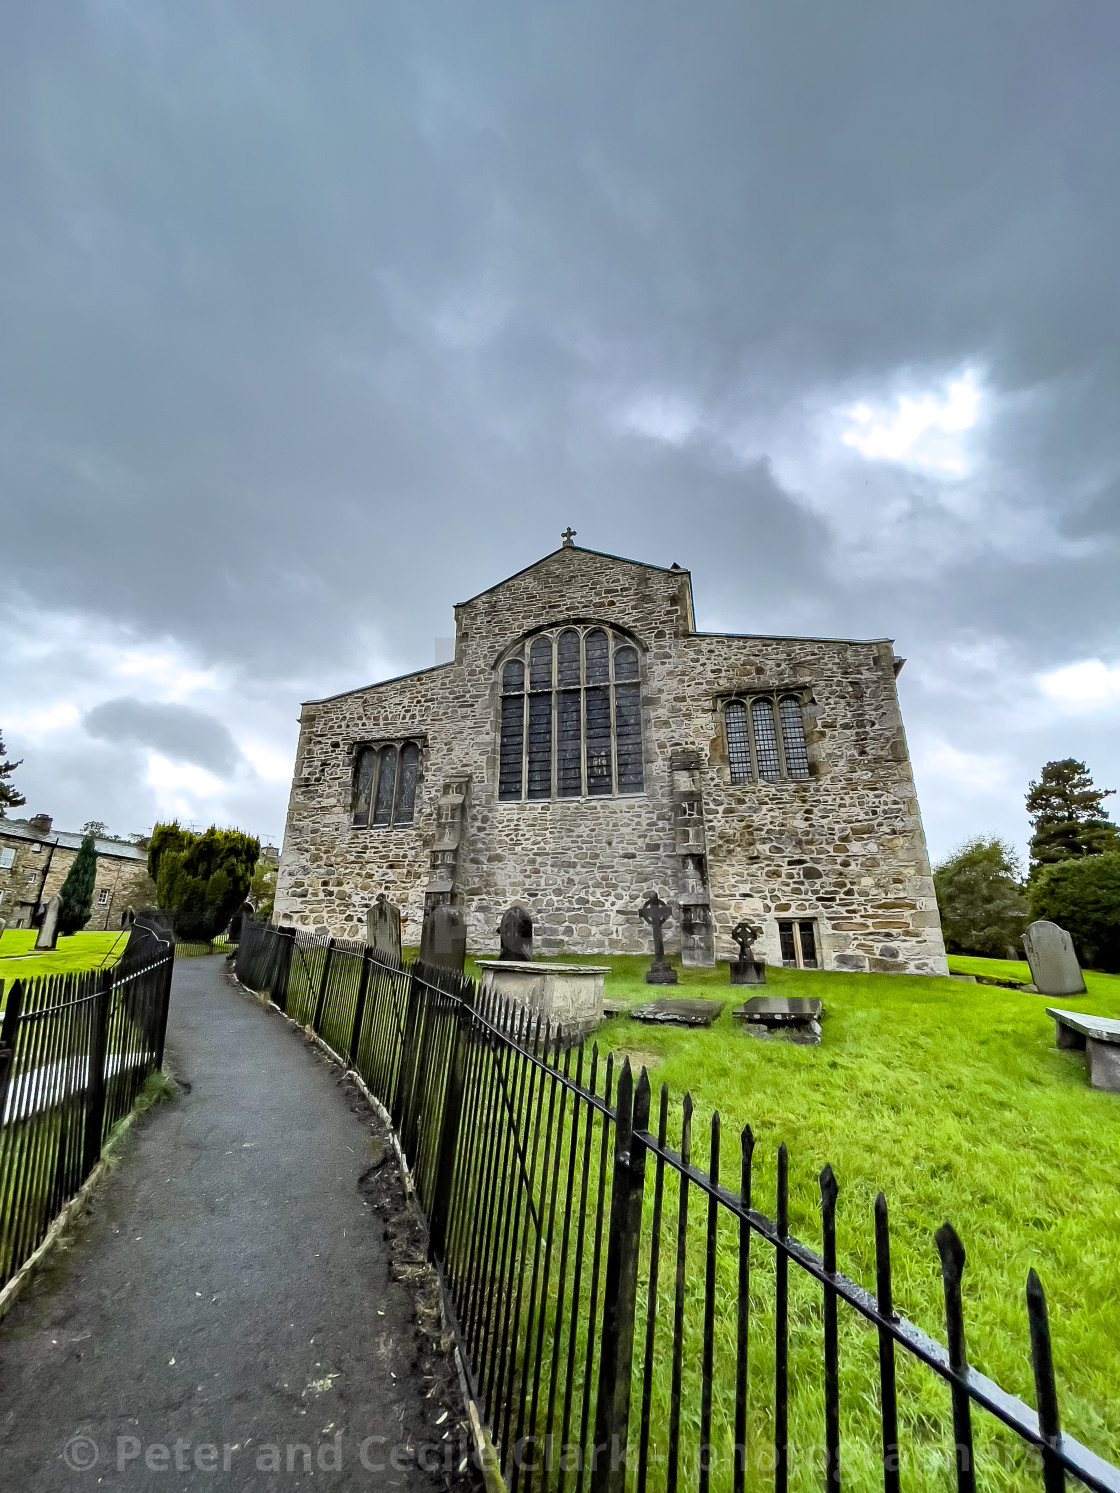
567,536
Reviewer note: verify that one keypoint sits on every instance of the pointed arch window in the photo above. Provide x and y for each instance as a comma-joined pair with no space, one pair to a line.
766,739
385,777
571,722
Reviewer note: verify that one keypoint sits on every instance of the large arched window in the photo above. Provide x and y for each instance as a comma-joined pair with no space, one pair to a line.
571,717
766,739
385,784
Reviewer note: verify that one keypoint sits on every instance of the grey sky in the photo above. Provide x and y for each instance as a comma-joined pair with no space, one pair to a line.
317,319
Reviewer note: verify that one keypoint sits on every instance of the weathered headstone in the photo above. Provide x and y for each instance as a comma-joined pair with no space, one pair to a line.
443,938
48,929
747,970
383,927
656,913
516,934
1054,966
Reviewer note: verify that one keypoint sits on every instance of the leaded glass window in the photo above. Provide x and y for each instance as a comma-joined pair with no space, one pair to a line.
571,722
385,779
766,739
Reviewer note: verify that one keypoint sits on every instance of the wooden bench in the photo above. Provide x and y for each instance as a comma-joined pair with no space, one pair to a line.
1098,1037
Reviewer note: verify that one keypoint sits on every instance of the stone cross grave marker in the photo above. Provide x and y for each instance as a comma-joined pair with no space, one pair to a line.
746,970
383,927
656,913
1054,966
48,929
516,933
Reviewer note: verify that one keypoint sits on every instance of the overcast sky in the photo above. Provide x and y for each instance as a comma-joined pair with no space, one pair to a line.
317,318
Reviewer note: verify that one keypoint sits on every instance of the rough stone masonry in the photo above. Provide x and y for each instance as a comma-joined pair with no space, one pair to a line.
577,798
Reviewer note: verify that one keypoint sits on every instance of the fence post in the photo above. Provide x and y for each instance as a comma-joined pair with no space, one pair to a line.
449,1133
616,1352
165,971
406,1074
318,1017
95,1074
8,1040
360,1007
282,954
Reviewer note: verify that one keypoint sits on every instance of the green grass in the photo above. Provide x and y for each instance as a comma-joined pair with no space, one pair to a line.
953,1099
77,951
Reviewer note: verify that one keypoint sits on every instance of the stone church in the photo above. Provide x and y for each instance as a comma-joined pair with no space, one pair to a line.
587,746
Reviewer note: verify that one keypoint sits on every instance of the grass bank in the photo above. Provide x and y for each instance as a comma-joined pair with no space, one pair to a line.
76,951
953,1099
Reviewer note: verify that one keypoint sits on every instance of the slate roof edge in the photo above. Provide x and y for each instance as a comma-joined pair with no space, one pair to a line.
69,840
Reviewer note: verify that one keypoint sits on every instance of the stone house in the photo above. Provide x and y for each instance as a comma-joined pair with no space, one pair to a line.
35,859
586,746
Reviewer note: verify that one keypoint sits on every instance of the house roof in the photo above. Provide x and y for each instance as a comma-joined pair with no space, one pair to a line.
19,829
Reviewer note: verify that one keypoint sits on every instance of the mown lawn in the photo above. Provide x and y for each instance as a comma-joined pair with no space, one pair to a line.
953,1099
76,951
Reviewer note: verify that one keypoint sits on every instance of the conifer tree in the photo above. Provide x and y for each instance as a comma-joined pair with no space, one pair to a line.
201,879
77,890
10,798
1068,815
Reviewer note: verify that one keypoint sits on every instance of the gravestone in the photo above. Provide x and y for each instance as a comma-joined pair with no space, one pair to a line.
1054,966
656,913
516,934
443,937
795,1018
678,1011
747,970
48,930
383,928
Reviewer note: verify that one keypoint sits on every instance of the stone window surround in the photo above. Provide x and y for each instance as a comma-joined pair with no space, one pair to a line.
800,959
354,752
802,693
617,635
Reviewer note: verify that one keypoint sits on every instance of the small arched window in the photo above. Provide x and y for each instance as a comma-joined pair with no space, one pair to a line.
385,784
576,731
766,739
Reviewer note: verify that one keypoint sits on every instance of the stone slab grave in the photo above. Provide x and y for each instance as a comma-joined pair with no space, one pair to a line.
793,1018
571,994
678,1011
1098,1037
1054,966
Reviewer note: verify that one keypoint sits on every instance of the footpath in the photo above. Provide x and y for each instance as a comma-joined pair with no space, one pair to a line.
227,1317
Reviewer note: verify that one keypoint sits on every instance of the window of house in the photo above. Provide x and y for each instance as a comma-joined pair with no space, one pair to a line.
7,857
766,739
571,723
103,896
799,945
384,793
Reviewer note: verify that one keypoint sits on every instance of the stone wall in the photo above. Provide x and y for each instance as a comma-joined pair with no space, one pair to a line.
845,848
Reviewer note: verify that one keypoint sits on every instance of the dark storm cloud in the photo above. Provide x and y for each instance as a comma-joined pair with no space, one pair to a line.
176,731
319,319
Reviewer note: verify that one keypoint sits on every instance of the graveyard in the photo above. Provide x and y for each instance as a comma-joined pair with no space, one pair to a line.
73,952
953,1099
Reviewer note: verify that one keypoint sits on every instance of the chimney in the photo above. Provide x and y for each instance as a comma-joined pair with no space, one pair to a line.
40,823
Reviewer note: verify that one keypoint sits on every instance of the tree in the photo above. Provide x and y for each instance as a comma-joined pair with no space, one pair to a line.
97,828
9,797
77,890
980,898
201,879
1083,896
1068,815
262,889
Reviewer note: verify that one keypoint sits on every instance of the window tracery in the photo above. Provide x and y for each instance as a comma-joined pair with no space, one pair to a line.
766,739
385,776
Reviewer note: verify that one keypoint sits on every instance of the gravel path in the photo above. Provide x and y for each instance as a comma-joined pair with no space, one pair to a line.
227,1317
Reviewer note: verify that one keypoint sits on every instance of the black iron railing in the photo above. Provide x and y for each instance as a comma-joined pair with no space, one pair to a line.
627,1320
74,1052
